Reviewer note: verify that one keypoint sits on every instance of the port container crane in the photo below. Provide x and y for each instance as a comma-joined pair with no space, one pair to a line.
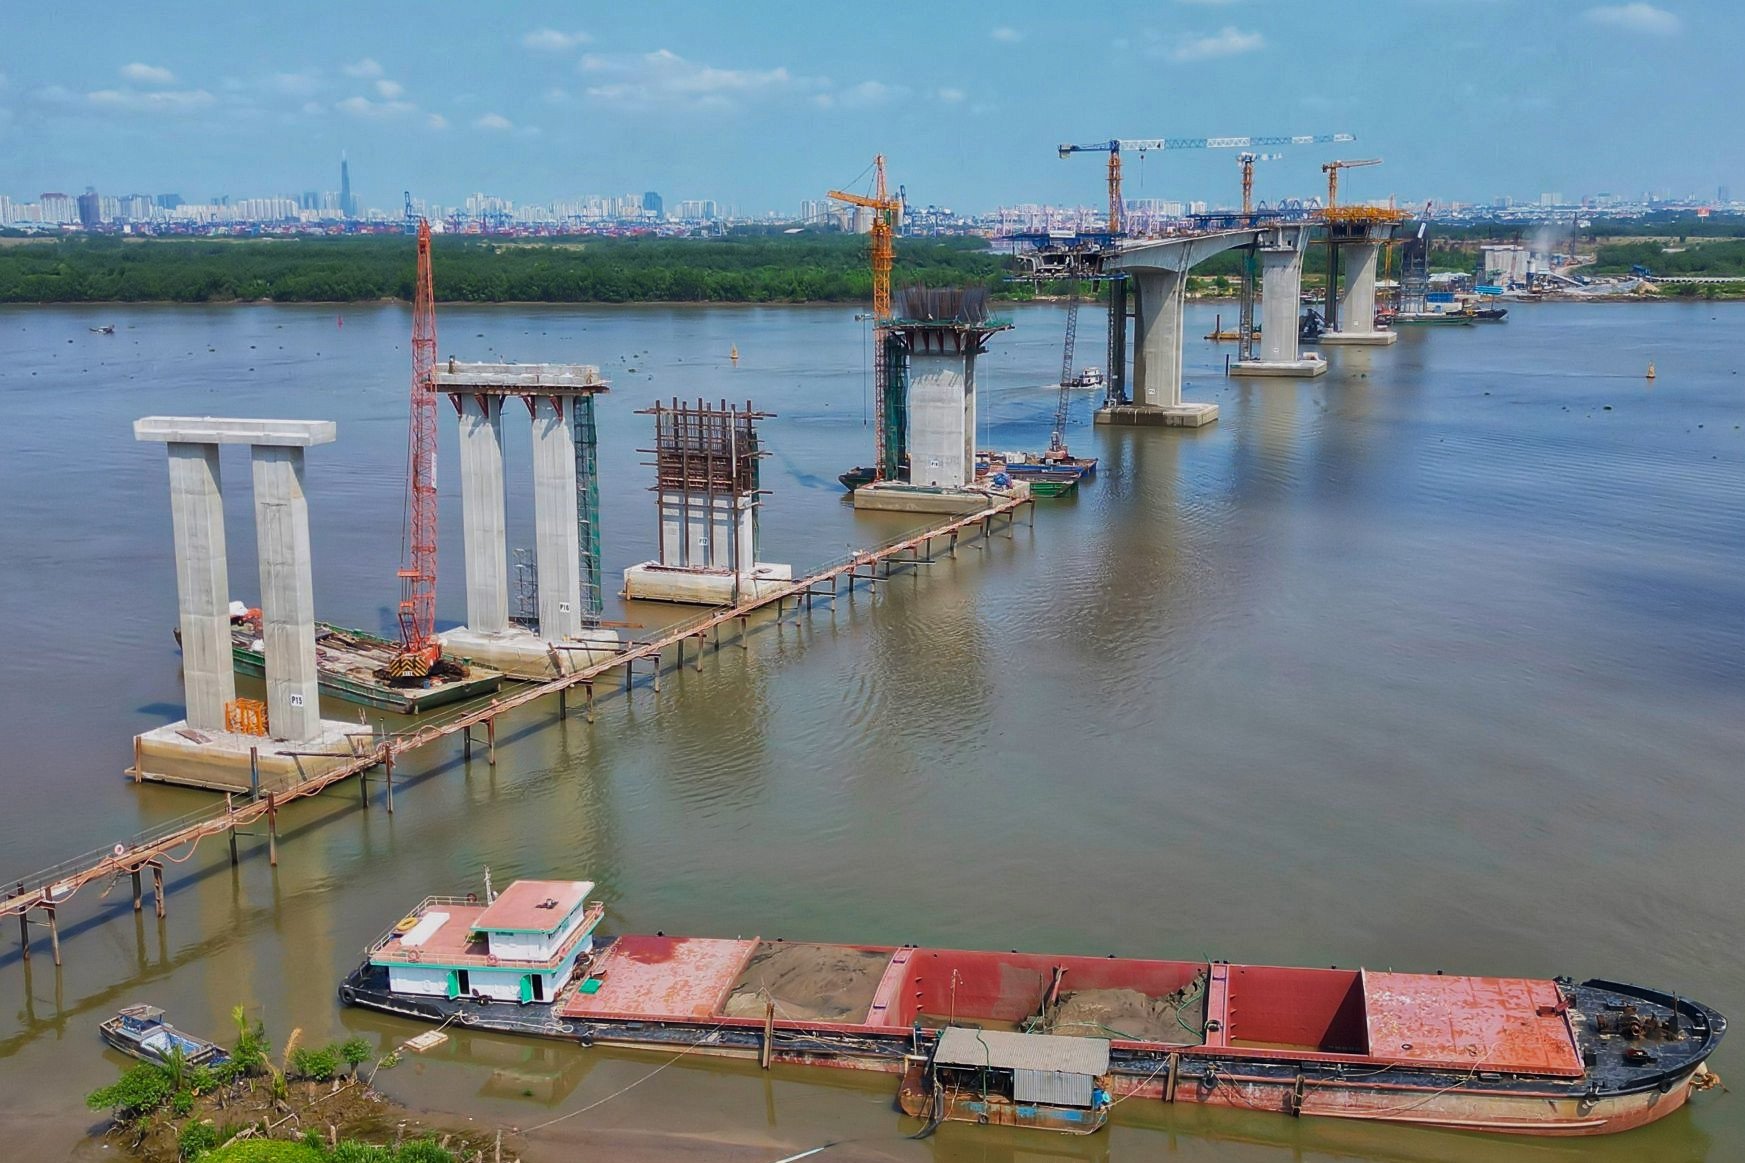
419,650
1142,145
886,210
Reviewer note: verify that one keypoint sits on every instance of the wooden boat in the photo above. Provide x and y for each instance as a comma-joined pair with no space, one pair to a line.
1500,1054
140,1031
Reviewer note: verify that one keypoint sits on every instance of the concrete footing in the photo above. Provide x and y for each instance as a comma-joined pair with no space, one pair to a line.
898,497
1300,369
1359,338
522,654
194,757
1158,416
653,582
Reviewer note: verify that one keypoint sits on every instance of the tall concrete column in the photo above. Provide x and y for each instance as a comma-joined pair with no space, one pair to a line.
482,513
1157,344
1281,285
1357,297
202,582
281,514
557,539
942,411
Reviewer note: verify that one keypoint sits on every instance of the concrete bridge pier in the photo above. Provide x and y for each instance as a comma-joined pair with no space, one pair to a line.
221,744
1281,251
1157,274
1354,318
559,400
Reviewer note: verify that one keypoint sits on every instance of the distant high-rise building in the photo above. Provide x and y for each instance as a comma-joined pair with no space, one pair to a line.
90,208
652,205
1723,195
347,206
57,208
168,201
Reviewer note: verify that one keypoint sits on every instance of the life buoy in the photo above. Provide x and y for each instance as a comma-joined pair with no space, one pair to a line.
411,954
120,850
406,925
490,959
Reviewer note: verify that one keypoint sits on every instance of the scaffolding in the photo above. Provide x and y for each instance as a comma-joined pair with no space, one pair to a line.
706,484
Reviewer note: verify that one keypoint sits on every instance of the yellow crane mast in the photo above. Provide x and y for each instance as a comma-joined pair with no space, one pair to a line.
885,211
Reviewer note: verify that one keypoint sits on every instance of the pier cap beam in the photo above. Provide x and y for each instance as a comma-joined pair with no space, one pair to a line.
220,430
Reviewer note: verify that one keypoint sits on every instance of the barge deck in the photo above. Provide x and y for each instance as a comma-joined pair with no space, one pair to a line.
1499,1054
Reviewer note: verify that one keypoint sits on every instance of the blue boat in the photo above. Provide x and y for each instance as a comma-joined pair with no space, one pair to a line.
141,1032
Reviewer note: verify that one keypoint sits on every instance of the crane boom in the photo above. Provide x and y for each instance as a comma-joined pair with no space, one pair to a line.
1115,145
419,650
885,210
1331,169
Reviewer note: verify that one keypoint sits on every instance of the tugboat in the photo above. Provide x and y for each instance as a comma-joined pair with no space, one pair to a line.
141,1032
1528,1056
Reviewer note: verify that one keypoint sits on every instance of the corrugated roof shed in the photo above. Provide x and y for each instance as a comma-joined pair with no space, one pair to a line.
1003,1050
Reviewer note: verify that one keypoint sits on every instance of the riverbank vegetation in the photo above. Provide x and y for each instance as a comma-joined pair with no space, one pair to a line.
809,268
310,1104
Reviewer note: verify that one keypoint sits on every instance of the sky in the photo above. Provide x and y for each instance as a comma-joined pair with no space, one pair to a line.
761,104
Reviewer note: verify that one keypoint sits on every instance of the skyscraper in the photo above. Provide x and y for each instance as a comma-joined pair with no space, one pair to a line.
90,208
651,205
347,207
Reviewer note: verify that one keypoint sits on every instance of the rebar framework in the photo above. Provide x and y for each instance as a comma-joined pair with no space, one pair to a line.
706,478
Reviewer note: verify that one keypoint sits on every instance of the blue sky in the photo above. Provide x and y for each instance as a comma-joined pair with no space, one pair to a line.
762,104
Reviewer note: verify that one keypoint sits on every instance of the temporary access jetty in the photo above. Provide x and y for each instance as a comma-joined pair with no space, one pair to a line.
47,890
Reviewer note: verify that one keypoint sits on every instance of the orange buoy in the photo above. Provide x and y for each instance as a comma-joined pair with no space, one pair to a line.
1651,370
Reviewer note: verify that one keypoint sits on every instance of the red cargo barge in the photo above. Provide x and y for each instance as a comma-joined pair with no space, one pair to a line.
1500,1054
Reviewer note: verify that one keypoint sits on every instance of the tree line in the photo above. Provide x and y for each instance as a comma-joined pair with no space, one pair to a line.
749,269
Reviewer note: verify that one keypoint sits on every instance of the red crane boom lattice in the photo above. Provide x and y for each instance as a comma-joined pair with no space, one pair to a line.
419,648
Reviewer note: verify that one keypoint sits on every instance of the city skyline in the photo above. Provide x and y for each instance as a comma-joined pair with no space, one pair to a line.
760,109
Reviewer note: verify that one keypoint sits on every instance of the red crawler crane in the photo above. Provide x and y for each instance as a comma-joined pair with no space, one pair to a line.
419,650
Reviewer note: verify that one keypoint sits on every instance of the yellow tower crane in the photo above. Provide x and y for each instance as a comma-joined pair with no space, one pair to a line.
1331,169
886,210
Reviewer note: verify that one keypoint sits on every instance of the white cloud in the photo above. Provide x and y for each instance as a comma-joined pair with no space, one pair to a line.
663,79
313,107
147,74
557,96
436,121
951,96
1643,18
871,93
551,40
1006,34
1226,42
390,89
493,121
156,101
301,84
367,69
364,107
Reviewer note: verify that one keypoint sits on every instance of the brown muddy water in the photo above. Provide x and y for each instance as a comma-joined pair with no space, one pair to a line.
1437,662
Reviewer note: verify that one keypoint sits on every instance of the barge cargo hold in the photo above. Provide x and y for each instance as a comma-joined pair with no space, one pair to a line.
1498,1054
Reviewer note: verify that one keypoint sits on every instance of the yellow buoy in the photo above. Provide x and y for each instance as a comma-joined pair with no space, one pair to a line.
734,354
1650,370
406,925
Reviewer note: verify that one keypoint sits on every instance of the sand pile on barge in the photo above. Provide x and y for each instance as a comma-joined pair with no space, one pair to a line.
1130,1015
825,983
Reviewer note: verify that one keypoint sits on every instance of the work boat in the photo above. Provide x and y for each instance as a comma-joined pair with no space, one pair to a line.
1078,1036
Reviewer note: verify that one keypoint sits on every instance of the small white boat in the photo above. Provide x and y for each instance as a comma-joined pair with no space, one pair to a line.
140,1031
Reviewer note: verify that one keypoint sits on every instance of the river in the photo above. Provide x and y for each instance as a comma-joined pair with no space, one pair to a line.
1435,662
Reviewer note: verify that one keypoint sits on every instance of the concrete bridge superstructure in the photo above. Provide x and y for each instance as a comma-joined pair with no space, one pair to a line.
1157,270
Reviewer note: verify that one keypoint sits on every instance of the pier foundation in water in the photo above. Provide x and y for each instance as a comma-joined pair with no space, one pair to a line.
707,492
560,402
225,742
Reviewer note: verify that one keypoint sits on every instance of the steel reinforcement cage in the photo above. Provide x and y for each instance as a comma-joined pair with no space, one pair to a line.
706,452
